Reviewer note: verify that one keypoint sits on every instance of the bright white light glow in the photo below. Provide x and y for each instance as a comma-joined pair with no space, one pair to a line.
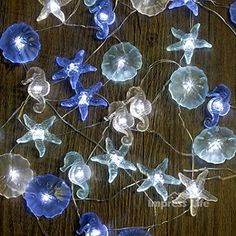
189,44
13,174
194,191
46,197
73,67
158,178
121,63
54,6
94,232
103,16
122,121
37,134
84,99
188,85
19,42
79,174
37,89
215,145
218,105
116,159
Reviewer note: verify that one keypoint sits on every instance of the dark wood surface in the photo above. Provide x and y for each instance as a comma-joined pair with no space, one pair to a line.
129,208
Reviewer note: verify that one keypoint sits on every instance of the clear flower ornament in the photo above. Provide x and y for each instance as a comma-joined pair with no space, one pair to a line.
121,62
188,86
215,145
15,175
52,7
79,173
38,87
150,7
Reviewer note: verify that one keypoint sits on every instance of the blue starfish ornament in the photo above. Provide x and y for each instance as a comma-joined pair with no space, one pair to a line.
190,4
114,159
188,42
85,98
39,134
157,178
72,69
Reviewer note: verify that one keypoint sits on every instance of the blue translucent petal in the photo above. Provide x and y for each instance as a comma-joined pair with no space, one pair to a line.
134,232
90,224
121,62
20,43
47,196
232,12
191,4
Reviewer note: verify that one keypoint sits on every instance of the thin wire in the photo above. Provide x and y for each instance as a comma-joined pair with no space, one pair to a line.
72,127
74,200
220,17
166,142
41,226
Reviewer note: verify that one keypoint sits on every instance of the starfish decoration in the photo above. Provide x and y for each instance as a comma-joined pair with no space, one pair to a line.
194,191
72,69
54,7
114,159
157,178
188,42
39,133
85,98
190,4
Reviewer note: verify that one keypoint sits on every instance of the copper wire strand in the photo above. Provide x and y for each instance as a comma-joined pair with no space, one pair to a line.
218,15
41,226
74,200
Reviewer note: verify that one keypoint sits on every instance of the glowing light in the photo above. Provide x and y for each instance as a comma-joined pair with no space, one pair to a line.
94,232
103,16
73,67
194,191
188,85
14,174
84,99
215,145
121,63
46,197
19,42
37,134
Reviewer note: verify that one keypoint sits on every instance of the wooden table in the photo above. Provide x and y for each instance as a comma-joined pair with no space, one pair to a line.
129,208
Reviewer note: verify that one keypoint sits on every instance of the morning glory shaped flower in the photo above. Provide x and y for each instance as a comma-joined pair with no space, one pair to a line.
232,12
78,174
114,159
20,43
194,192
104,16
15,175
150,7
189,87
90,225
157,178
47,195
38,132
85,98
188,42
219,105
121,62
38,87
190,4
72,69
134,232
52,7
215,145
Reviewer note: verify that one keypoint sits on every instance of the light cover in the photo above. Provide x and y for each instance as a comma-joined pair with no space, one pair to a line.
38,87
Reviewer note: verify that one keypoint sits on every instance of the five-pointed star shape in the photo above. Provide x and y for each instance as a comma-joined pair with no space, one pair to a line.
188,42
190,4
54,7
72,69
157,178
194,191
114,159
85,98
39,133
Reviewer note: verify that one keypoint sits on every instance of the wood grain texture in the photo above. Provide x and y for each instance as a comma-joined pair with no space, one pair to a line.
151,36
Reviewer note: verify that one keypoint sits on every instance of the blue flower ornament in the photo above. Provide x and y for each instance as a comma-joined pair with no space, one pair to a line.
20,43
47,195
104,16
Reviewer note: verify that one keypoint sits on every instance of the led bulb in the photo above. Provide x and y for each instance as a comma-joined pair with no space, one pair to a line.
19,42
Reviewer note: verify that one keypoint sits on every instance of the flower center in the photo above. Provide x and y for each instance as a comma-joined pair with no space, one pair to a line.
73,67
194,191
19,42
116,159
84,99
38,134
188,44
